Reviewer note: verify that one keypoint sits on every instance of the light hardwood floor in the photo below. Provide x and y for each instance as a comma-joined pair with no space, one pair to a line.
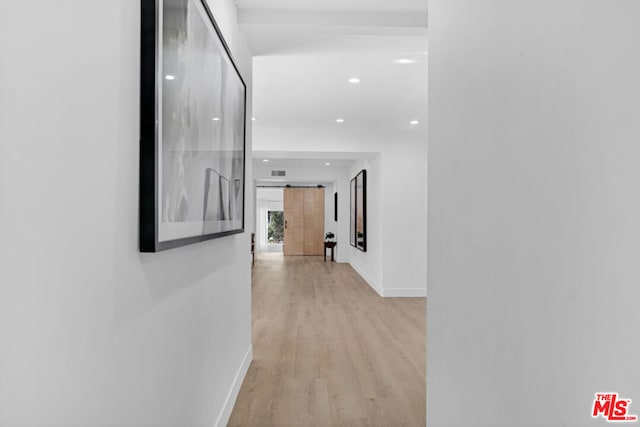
328,351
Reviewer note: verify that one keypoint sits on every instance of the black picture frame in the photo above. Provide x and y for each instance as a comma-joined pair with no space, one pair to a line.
352,213
192,128
335,207
358,238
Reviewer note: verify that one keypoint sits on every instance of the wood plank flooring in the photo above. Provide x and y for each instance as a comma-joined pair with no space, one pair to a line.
328,351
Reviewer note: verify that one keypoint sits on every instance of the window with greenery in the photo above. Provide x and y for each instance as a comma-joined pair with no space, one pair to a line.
275,233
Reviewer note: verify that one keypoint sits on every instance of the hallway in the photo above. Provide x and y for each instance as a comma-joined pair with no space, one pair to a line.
328,351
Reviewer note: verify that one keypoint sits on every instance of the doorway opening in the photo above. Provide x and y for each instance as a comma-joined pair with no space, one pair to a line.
270,220
275,231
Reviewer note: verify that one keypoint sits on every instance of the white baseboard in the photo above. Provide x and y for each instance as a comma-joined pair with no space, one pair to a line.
405,293
390,293
225,413
368,279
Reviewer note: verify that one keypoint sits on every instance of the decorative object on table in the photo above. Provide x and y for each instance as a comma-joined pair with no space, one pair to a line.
329,237
329,245
192,128
358,226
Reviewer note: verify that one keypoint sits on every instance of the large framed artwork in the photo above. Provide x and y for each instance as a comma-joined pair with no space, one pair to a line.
359,211
192,128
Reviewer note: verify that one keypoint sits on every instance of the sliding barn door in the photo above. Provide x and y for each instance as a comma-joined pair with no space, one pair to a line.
313,221
294,221
304,221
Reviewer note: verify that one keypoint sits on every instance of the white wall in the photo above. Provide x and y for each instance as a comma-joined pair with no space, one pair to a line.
93,333
330,223
404,189
534,200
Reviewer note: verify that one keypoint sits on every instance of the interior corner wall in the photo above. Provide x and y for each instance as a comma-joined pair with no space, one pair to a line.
404,187
343,226
329,223
394,263
534,200
93,333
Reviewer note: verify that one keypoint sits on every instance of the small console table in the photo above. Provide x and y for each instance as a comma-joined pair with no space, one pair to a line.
329,245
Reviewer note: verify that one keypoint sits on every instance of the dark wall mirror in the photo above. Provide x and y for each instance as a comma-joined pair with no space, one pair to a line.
352,216
359,211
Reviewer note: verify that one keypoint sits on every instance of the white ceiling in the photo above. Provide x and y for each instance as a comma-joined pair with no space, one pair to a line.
288,159
302,163
313,91
306,50
337,5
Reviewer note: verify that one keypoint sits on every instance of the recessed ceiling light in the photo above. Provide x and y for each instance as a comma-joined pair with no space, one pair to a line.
327,164
339,120
266,160
215,119
169,77
414,122
354,80
253,119
404,61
